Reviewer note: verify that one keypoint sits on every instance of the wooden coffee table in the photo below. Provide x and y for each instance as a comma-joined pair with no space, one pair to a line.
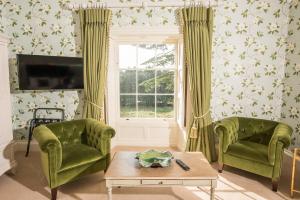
124,171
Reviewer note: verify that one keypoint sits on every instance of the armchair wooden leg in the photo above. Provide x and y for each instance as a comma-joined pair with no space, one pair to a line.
274,185
53,193
221,166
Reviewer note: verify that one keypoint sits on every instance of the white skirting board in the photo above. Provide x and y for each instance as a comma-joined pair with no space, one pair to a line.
21,145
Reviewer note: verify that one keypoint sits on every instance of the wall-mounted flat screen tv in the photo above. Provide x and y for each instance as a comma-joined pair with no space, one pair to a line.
49,72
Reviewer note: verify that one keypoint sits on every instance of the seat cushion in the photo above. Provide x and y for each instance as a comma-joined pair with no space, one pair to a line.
249,150
76,155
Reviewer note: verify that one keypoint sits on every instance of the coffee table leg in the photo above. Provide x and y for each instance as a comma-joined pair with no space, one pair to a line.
212,193
109,190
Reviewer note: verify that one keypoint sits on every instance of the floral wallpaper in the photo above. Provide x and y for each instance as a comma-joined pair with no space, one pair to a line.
291,83
255,54
42,28
249,58
45,27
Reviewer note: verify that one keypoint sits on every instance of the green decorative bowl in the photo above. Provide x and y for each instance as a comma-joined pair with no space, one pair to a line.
154,158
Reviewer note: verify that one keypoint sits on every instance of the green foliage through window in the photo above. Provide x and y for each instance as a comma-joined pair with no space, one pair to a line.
147,74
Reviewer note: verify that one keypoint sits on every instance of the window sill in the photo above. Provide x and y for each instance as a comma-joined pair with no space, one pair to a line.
148,122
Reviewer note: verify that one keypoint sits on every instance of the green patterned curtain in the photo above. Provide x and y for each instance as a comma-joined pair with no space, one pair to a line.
95,24
197,35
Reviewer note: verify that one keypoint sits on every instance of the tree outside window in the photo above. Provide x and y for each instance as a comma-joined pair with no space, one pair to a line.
147,77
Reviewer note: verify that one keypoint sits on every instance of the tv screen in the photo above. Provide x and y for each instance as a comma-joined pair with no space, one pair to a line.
49,72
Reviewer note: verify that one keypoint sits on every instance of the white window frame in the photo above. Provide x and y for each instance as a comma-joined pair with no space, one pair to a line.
146,39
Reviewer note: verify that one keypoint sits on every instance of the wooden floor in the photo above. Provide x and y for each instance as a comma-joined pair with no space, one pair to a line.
29,183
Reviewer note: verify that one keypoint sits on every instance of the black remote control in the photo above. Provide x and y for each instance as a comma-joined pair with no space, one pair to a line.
182,165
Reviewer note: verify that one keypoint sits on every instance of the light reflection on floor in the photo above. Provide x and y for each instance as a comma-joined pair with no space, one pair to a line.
225,190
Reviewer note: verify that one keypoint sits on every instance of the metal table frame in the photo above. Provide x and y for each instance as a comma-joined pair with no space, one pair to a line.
38,121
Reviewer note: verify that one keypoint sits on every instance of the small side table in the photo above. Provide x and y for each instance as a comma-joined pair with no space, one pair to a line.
296,157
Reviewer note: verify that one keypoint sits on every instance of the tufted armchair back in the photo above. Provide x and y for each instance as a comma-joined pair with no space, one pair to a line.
228,131
256,130
84,131
69,132
98,135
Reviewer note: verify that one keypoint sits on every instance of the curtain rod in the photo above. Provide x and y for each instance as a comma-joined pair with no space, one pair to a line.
206,3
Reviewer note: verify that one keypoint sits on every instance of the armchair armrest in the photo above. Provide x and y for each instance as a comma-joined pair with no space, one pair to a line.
99,135
50,144
227,129
282,134
51,153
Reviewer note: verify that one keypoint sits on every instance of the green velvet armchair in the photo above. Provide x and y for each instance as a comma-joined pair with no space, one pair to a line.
72,149
254,145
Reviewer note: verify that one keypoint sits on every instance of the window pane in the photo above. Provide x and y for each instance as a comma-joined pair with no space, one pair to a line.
165,81
147,85
127,81
146,55
128,106
127,56
146,81
165,55
165,106
146,106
